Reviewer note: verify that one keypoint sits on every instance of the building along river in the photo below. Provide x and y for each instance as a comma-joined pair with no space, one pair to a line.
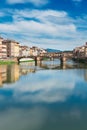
49,96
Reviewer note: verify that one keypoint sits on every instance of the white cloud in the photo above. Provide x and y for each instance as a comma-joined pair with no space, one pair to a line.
46,28
35,2
46,90
49,88
38,25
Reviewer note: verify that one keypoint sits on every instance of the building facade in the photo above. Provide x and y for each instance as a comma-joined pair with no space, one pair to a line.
80,51
16,49
24,51
1,39
4,50
12,48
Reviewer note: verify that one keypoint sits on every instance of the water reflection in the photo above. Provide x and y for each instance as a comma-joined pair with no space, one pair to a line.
9,73
48,96
3,74
12,73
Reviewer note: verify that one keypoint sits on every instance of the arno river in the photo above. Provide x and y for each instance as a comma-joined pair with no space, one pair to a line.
49,96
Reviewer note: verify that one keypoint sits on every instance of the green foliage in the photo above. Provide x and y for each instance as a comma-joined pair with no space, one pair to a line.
6,62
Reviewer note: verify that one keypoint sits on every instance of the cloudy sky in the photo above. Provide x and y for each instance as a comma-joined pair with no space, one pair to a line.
59,24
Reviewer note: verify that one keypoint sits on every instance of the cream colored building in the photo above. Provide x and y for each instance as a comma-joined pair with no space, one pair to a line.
1,39
4,50
16,49
86,50
80,51
34,51
24,51
13,48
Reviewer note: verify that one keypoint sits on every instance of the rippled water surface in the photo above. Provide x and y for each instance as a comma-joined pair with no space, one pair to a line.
49,96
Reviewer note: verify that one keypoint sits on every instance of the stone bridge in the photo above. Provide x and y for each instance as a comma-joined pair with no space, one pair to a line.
62,56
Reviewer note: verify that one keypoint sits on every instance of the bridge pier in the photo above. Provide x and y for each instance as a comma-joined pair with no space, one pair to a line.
51,58
37,59
63,59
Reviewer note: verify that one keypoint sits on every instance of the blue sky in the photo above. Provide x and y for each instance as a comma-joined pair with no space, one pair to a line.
59,24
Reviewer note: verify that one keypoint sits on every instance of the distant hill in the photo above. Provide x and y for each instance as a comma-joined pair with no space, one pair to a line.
52,50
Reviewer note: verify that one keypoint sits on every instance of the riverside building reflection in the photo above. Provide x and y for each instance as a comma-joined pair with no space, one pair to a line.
9,73
12,73
27,67
85,75
49,96
3,74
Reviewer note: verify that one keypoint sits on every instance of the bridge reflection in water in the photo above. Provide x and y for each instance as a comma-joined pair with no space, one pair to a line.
12,73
